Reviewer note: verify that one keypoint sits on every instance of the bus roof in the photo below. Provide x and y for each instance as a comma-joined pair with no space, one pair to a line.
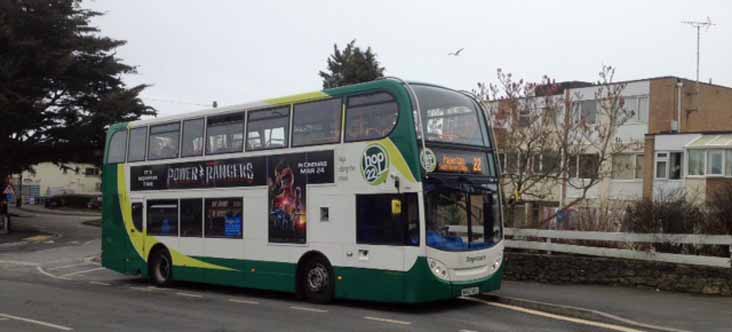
273,102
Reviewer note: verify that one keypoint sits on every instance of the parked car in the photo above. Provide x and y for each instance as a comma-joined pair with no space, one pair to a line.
74,201
95,203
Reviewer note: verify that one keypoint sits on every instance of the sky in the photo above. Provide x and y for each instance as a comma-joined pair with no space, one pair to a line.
233,52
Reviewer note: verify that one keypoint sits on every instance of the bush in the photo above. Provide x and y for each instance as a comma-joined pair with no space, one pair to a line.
668,214
719,212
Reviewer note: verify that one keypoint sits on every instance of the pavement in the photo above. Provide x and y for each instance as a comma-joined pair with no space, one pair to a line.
61,286
39,209
643,308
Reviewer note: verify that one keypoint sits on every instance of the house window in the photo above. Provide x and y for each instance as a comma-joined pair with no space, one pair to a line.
91,171
639,166
675,168
524,117
586,111
661,165
715,163
696,162
643,109
551,162
728,162
588,164
623,166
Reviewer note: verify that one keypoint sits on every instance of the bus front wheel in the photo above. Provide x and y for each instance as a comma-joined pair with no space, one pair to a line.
161,268
317,280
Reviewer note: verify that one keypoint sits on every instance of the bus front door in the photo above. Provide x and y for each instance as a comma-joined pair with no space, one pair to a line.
137,238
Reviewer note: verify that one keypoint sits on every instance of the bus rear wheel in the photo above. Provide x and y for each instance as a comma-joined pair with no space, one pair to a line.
161,268
317,280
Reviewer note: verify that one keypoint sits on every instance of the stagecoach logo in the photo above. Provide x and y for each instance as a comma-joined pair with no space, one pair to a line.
375,164
428,159
474,259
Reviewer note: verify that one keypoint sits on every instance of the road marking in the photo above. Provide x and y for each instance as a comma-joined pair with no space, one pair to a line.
37,322
37,238
81,272
386,320
554,316
22,263
66,266
307,309
100,283
243,301
189,295
604,314
464,330
42,271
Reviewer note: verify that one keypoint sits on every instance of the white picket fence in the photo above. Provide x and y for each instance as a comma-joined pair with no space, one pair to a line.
519,234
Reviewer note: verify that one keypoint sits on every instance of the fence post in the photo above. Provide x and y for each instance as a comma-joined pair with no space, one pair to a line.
549,241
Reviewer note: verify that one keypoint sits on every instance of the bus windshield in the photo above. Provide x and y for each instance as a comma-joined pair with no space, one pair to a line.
461,220
450,117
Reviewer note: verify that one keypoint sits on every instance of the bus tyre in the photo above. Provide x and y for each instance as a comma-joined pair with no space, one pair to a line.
161,268
317,282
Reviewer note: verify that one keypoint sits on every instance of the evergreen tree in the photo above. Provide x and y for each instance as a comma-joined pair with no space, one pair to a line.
60,85
351,65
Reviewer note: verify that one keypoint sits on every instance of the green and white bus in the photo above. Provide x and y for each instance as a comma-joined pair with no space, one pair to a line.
385,191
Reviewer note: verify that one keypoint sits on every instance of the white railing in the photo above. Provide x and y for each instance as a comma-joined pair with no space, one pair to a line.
546,245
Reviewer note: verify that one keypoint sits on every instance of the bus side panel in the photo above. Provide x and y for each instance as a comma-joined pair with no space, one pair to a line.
369,284
115,243
244,273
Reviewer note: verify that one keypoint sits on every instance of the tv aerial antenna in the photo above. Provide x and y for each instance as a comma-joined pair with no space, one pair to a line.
698,25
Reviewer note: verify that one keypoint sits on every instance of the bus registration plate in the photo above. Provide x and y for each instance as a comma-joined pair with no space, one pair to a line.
470,291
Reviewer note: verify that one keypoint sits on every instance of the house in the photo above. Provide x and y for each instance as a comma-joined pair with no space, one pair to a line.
678,138
48,179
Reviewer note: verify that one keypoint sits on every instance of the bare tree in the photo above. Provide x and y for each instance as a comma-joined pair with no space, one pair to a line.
550,137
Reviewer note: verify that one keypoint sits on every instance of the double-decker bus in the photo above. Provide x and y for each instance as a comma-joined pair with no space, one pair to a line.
385,191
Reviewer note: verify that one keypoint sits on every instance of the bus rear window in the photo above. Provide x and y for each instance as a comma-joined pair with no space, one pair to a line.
116,153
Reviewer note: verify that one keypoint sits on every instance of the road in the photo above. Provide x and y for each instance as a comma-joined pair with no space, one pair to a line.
60,286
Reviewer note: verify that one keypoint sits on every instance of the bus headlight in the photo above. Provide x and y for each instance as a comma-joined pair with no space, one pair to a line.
438,269
498,262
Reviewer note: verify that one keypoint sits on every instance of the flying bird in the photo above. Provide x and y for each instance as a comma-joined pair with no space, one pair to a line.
456,53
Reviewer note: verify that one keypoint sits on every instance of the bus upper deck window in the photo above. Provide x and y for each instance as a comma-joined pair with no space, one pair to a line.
370,116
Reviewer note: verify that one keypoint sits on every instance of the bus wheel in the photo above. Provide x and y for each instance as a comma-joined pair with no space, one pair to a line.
317,280
161,268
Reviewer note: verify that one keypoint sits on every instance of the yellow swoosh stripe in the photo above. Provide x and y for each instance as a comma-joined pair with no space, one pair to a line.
397,159
298,98
137,239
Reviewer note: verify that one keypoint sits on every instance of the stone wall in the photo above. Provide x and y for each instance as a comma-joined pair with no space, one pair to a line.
569,269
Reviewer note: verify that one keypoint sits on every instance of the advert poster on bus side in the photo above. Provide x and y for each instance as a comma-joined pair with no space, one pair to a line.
235,172
287,178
